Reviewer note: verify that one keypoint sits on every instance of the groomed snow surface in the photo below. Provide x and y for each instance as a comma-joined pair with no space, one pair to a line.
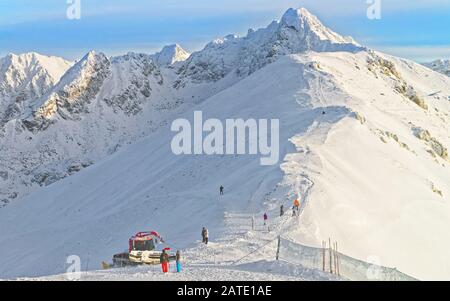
349,148
257,271
243,253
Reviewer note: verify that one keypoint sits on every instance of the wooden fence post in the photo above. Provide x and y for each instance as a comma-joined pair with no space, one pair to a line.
278,247
323,254
253,222
334,258
337,253
331,255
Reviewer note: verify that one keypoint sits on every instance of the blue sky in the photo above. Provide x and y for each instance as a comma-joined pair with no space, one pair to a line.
415,29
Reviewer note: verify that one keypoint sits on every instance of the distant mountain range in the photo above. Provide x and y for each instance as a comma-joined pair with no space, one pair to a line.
442,66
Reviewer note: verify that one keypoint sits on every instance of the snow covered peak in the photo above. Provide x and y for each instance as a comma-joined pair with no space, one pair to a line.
76,89
123,83
28,69
91,55
301,20
296,18
298,31
169,55
16,69
24,78
441,66
89,60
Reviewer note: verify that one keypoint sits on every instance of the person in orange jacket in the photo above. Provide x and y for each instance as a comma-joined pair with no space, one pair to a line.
297,205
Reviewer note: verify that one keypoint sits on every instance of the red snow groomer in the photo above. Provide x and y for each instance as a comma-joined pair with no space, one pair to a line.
142,249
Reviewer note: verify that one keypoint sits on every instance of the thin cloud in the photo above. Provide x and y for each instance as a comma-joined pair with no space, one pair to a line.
46,9
119,26
417,53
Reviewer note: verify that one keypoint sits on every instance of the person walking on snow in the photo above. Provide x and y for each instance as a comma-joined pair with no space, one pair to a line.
221,190
205,235
297,205
281,210
253,222
265,218
178,261
164,259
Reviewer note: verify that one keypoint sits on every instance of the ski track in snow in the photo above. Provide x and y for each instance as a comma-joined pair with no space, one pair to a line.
239,253
258,246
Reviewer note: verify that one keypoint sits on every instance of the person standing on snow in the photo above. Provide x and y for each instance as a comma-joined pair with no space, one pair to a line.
265,218
281,210
164,259
253,222
205,235
178,261
297,205
221,190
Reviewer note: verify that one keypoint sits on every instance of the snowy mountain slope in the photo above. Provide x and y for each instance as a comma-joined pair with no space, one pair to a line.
97,106
363,141
144,186
297,31
169,55
25,77
441,66
123,98
372,193
260,271
380,190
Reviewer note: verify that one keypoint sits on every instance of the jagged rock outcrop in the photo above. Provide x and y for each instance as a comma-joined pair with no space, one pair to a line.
138,73
170,55
298,31
24,78
70,98
73,120
436,146
84,117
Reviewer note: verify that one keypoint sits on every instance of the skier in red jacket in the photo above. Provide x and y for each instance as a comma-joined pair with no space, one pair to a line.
164,259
